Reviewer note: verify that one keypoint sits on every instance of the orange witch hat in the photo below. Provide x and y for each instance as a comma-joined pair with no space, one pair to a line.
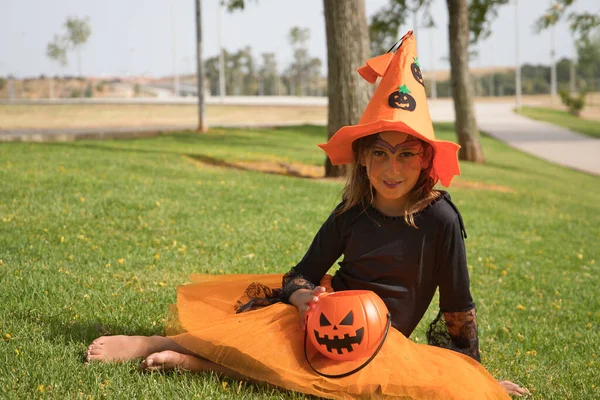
398,104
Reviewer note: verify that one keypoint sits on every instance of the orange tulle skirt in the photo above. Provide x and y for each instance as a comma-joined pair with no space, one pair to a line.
267,345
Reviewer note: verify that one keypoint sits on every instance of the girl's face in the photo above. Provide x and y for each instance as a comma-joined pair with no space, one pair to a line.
393,165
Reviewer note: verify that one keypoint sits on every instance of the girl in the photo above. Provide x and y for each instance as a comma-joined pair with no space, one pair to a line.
400,238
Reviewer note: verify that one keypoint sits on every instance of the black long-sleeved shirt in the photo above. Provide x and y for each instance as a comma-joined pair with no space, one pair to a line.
403,265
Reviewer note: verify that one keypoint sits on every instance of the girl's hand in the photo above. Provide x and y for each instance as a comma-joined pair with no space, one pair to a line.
304,300
513,388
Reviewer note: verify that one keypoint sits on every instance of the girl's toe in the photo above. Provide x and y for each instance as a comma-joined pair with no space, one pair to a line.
94,351
98,341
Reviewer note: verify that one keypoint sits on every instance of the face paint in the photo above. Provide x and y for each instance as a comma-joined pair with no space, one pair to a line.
411,143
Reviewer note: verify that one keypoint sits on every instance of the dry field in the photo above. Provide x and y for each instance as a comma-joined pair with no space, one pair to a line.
112,115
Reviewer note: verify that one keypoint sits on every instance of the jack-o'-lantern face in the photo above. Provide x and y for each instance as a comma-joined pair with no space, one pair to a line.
347,325
342,335
402,99
415,68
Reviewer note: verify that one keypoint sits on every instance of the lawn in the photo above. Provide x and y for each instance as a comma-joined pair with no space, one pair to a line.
95,237
586,126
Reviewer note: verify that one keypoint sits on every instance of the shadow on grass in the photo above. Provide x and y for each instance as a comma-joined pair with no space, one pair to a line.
232,139
272,168
296,170
57,328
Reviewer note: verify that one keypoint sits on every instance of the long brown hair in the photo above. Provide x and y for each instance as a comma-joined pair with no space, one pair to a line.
359,191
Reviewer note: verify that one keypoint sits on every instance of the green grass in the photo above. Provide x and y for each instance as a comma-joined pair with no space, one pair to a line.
586,126
70,211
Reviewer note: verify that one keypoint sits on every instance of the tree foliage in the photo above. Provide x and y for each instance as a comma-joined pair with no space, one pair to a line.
303,71
588,56
481,14
269,76
574,103
78,31
57,50
384,24
233,5
580,23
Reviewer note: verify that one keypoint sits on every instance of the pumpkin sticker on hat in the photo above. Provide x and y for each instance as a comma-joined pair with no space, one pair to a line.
415,68
396,94
402,99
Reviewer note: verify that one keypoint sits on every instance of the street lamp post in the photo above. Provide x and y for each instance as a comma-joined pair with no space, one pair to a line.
432,63
221,57
517,62
553,64
415,27
200,69
173,33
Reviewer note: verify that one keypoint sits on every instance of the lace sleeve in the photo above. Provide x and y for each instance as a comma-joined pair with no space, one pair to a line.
291,282
258,295
457,331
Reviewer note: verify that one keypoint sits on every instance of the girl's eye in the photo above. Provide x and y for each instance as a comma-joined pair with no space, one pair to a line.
379,153
406,154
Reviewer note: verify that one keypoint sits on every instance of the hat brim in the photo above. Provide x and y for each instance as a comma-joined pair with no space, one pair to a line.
339,147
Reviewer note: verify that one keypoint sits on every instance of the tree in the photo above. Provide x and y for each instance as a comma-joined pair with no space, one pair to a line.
384,26
314,76
462,87
298,69
582,25
211,68
268,77
588,56
468,23
240,74
248,72
347,49
57,51
304,72
78,32
385,23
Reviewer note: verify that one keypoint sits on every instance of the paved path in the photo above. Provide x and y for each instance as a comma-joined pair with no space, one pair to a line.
541,139
547,141
544,140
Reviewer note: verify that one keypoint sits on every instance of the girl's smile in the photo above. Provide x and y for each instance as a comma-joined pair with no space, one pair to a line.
392,184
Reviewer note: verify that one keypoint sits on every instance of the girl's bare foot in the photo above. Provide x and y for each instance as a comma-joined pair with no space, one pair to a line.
169,359
124,348
164,361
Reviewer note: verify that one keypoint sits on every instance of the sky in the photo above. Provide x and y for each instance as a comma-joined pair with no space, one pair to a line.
157,37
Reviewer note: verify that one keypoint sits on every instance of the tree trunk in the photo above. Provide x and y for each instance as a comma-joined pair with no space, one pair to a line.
462,87
200,68
79,70
347,50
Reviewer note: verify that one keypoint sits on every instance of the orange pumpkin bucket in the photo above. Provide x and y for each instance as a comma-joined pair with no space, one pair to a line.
347,326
